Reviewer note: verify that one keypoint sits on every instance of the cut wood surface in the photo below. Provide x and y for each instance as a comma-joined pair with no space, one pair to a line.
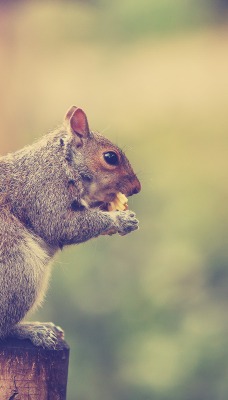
32,373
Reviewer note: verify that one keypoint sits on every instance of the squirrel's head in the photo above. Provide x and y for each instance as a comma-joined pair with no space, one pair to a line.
104,168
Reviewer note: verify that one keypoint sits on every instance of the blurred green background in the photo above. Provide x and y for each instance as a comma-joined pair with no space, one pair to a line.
145,315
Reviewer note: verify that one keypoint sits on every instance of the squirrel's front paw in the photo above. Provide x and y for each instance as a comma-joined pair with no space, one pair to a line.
126,222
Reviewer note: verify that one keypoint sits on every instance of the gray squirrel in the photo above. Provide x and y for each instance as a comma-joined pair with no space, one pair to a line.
52,194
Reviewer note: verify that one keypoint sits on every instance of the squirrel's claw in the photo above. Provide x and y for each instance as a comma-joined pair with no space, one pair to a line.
125,222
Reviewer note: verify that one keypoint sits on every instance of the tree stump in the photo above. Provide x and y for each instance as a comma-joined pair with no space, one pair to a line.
32,373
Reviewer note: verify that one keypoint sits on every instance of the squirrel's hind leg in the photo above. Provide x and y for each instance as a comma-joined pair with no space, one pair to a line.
24,273
46,335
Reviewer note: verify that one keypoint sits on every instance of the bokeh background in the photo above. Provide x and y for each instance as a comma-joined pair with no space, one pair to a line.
145,315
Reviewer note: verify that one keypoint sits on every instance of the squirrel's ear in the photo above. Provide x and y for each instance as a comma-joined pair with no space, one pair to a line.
70,112
77,120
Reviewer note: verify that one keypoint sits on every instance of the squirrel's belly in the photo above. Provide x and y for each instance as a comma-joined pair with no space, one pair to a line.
39,262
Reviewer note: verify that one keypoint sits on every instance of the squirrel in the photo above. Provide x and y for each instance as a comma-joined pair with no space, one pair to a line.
54,193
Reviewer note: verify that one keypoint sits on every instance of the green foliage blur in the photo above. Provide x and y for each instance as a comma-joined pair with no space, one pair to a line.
145,315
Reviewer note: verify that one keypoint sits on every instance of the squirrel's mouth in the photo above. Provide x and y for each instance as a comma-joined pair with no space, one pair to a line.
100,202
118,202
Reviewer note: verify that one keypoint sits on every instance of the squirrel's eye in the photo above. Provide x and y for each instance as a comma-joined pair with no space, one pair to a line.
111,158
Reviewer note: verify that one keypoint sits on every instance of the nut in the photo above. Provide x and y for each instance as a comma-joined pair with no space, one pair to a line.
119,203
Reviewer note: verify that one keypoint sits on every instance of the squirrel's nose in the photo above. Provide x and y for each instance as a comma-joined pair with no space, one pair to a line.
135,191
136,187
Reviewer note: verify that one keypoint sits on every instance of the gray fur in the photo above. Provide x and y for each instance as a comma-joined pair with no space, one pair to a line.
45,204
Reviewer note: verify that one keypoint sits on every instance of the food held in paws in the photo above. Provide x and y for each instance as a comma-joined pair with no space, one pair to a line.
119,203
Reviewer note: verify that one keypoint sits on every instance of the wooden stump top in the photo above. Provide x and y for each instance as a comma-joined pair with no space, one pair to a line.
32,373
